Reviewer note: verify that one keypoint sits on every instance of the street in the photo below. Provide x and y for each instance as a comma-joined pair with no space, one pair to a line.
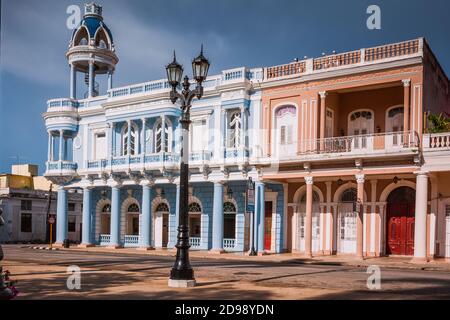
42,274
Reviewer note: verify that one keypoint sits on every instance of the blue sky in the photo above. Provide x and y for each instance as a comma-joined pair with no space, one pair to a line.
254,33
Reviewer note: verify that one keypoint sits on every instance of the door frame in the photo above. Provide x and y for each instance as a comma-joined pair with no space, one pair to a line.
270,196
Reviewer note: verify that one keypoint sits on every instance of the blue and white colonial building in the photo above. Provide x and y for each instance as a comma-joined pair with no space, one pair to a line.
121,147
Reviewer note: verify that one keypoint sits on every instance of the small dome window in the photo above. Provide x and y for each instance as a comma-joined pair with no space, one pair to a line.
81,37
101,39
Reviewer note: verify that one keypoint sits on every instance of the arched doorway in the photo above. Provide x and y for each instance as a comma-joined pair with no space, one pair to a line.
105,220
301,227
360,124
195,223
161,225
132,220
400,217
394,124
347,222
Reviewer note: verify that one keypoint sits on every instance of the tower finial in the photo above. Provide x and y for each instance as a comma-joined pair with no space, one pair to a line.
174,56
201,49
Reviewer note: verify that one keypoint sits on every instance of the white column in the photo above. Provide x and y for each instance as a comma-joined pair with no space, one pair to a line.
49,152
110,79
420,232
73,82
61,144
373,216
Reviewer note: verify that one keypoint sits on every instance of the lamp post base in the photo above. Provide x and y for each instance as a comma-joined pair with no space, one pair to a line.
181,283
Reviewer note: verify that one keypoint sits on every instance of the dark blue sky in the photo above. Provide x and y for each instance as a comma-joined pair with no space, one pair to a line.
251,33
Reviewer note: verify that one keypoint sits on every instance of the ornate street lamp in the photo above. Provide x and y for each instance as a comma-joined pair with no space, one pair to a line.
182,274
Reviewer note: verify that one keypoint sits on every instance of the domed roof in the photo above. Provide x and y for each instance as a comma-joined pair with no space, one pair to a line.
93,21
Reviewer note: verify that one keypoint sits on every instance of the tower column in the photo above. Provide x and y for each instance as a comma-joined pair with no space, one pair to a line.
61,145
110,79
91,79
61,216
73,82
50,141
217,230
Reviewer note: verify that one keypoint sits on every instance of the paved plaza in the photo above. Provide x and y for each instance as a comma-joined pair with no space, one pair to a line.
127,274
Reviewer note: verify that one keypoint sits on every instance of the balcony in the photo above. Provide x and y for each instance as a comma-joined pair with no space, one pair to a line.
349,147
367,56
61,168
436,141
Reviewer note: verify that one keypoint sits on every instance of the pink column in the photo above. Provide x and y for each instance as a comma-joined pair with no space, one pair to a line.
359,220
308,222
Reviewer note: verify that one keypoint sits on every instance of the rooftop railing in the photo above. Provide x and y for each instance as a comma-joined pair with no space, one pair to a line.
356,57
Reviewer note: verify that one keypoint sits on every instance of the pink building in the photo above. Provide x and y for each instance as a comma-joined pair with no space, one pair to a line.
350,138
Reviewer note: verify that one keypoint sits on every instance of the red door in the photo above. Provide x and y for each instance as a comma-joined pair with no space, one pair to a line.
400,229
268,225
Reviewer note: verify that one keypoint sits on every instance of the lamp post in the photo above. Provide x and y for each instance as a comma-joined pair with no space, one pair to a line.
182,274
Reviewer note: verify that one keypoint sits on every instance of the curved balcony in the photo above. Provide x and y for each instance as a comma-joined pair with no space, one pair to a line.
61,168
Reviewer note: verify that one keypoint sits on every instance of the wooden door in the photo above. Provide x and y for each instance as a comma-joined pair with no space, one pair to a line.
268,225
400,229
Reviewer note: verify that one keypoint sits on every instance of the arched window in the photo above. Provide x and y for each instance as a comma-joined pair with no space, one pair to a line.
133,208
229,220
162,207
160,135
106,208
316,197
194,207
349,195
133,140
234,130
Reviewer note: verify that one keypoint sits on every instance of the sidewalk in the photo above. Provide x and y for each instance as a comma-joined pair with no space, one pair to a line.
340,260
